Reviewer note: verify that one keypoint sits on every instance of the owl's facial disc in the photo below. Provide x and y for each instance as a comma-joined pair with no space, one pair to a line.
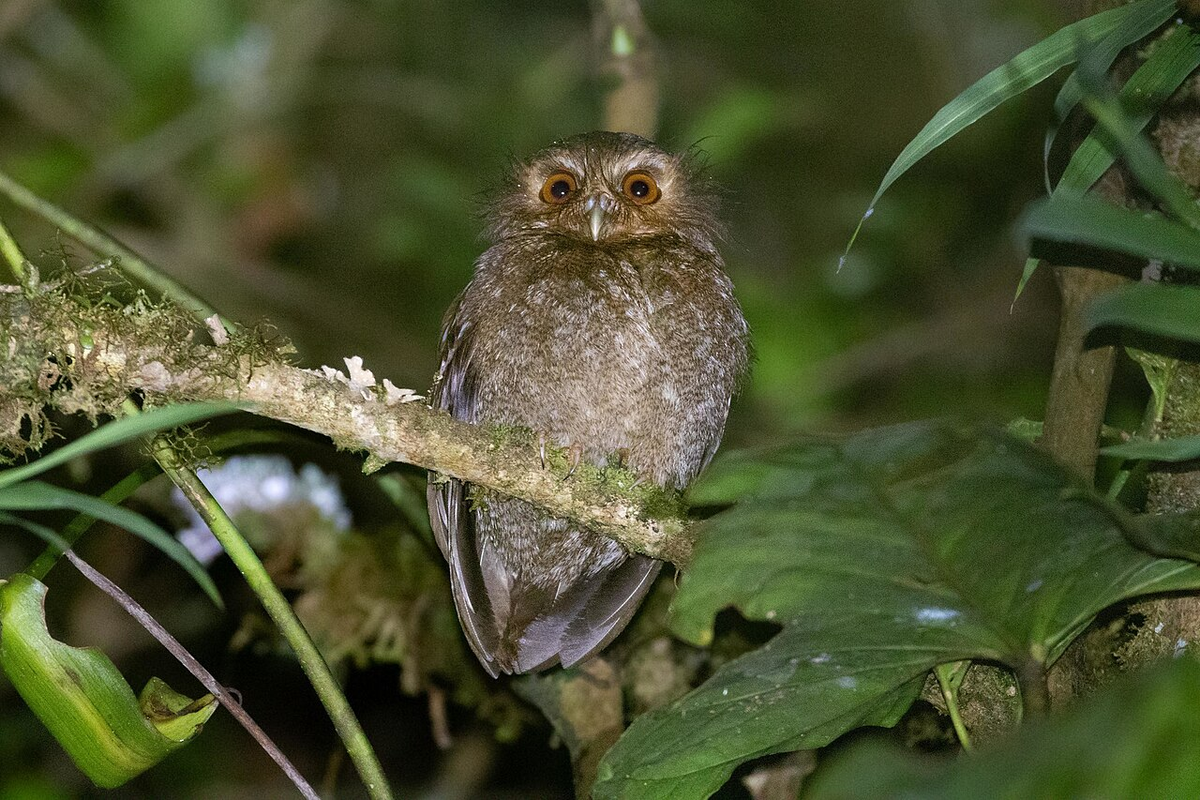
597,207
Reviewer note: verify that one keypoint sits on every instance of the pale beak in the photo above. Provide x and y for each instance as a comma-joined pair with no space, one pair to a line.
597,207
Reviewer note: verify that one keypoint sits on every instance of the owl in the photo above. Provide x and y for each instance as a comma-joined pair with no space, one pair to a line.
601,318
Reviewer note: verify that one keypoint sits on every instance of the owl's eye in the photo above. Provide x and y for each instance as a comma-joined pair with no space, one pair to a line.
558,188
640,188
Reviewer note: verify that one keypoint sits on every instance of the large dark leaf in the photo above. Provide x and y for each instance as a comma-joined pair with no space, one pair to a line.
881,554
1165,310
1137,739
1083,220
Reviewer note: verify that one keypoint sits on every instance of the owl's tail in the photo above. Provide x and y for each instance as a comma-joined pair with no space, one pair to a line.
538,629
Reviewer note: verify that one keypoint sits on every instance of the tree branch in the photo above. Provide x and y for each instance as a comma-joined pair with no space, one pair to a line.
356,414
628,65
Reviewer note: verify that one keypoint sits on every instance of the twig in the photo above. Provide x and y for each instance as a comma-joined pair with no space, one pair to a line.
193,666
628,63
1080,381
277,607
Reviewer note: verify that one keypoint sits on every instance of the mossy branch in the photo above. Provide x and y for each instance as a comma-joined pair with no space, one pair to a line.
100,353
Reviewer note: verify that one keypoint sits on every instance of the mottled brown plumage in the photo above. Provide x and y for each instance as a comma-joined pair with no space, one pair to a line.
602,318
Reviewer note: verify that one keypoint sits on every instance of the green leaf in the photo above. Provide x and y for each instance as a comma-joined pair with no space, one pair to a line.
82,699
1171,311
1135,739
1159,370
882,555
1170,62
1185,448
116,432
1140,156
1026,70
38,496
1168,535
1086,221
1140,22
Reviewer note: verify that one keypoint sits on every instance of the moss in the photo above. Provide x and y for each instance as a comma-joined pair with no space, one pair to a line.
54,355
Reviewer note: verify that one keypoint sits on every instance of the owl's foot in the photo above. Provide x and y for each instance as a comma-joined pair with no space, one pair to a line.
574,456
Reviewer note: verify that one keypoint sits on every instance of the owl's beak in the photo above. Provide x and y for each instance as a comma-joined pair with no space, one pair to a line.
597,206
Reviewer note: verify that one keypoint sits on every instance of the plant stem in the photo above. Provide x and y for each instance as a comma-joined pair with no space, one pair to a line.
78,526
277,607
13,255
946,677
152,626
102,244
1035,691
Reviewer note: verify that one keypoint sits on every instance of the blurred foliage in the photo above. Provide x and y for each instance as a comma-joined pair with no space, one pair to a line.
1144,750
281,158
321,163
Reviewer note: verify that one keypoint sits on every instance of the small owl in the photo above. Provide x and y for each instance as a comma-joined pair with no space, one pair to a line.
601,318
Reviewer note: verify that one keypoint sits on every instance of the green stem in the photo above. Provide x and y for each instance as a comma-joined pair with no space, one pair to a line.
80,524
946,677
280,611
13,255
102,244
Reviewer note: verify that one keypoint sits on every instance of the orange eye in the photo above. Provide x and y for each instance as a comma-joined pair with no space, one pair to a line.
640,188
558,188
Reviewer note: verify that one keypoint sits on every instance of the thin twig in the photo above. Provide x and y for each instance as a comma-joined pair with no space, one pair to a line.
197,669
282,614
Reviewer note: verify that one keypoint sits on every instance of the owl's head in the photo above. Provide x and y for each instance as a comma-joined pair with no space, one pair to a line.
607,187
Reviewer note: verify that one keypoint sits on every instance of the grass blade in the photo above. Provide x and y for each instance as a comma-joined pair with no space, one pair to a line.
38,496
117,432
1141,22
1083,220
1025,70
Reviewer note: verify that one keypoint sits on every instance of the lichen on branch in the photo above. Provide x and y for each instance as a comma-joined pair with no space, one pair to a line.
64,350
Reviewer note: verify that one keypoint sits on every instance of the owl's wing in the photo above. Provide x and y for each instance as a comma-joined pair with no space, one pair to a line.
602,610
517,629
472,572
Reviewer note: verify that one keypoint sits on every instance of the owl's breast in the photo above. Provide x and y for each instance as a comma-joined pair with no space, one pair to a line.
635,350
568,353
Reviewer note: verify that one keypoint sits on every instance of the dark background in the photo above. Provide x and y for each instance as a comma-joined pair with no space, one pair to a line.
319,164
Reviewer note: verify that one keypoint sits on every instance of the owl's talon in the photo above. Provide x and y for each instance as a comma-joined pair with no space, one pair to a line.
542,448
574,456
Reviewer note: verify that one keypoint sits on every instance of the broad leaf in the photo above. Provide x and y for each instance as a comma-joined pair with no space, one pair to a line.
1168,535
38,496
1136,739
882,555
1172,311
1083,220
82,699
